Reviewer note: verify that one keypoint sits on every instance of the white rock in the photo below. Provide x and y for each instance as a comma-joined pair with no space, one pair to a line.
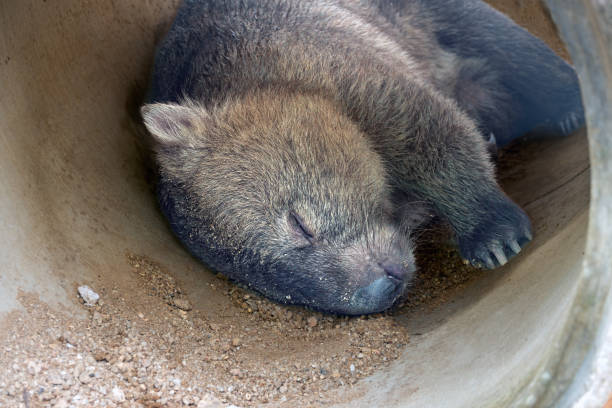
89,296
61,403
85,378
80,400
54,378
208,401
117,394
33,367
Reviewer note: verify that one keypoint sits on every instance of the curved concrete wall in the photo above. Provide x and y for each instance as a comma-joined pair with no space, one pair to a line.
74,199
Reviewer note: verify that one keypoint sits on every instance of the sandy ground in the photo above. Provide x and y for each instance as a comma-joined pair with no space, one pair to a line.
145,344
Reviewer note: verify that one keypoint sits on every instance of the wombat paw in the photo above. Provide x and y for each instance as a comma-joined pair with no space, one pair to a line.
503,232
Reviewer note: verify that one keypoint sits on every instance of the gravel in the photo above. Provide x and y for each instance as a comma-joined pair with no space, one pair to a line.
148,346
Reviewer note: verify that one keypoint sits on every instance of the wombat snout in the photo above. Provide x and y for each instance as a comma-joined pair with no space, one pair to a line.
377,296
389,283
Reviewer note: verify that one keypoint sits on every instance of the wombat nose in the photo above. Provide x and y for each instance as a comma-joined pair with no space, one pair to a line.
394,270
377,296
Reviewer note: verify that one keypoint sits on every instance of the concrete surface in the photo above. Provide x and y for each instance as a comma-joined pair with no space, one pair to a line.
74,199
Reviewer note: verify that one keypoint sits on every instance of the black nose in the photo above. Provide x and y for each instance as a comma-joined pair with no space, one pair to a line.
394,270
376,297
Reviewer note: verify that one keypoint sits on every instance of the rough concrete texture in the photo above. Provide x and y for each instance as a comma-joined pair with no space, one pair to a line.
586,27
75,205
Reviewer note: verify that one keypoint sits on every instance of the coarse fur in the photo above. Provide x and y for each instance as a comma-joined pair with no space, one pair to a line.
299,143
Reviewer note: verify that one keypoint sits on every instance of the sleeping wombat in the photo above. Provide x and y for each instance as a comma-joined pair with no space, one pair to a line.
299,143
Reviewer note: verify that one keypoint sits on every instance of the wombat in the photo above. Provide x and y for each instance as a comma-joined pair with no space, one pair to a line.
300,143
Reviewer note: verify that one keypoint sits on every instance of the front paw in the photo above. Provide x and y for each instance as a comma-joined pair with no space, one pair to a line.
501,232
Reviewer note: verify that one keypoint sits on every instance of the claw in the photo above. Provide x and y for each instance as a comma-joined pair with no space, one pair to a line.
492,139
489,262
514,245
492,145
499,254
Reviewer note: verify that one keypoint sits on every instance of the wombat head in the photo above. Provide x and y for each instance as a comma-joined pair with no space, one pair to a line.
283,193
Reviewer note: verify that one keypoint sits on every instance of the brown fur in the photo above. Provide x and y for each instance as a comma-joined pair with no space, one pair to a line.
287,130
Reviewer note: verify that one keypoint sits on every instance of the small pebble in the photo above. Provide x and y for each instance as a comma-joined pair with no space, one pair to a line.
61,403
312,321
33,367
208,401
182,304
55,379
88,295
84,377
117,394
100,356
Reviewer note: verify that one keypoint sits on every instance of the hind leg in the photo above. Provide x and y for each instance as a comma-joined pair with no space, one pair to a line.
509,81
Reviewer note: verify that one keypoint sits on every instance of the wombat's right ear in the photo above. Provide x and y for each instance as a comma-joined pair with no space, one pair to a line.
173,124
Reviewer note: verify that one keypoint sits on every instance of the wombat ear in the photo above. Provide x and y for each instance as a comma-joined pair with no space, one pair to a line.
173,124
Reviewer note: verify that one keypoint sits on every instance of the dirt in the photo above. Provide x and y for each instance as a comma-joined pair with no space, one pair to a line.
147,345
441,273
534,17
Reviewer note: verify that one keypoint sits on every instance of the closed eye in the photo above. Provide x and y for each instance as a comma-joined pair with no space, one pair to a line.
300,227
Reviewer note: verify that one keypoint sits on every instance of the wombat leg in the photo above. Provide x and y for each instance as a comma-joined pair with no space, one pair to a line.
442,158
542,93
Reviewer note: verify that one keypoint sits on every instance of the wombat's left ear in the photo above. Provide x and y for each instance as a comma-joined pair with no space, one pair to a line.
174,124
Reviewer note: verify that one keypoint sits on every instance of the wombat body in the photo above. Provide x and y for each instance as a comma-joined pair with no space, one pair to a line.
299,143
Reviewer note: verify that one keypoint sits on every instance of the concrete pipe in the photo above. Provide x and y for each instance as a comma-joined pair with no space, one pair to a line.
75,207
